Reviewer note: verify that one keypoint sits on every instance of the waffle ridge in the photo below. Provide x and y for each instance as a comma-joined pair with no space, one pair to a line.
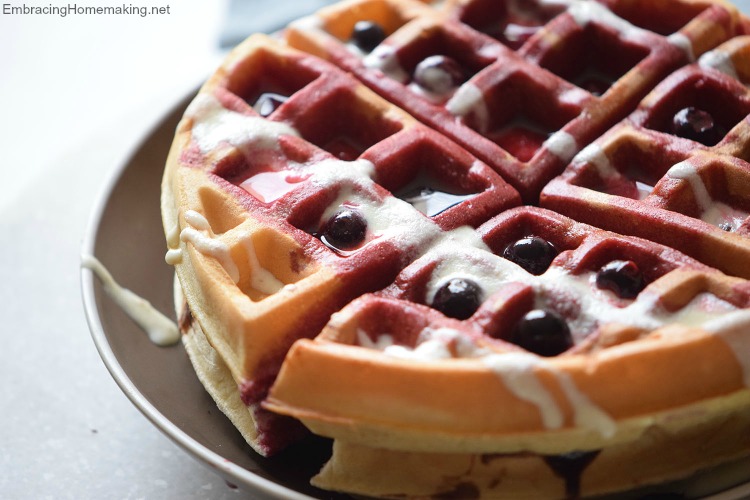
318,201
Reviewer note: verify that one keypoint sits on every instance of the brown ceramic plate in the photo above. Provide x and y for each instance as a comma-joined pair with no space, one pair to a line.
125,234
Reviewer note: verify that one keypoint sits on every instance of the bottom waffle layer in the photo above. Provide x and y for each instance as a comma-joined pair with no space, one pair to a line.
663,455
257,426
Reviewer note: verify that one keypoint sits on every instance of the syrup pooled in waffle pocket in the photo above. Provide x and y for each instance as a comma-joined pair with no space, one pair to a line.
491,249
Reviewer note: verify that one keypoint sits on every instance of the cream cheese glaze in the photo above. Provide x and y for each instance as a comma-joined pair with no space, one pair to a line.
213,124
719,60
261,278
517,373
199,234
596,156
712,211
160,329
385,59
732,328
174,252
469,100
492,272
562,144
584,12
682,42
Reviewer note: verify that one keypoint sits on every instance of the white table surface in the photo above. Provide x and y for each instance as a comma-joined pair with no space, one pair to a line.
76,94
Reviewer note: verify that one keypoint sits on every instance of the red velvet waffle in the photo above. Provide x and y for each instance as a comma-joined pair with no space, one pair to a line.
422,371
246,196
525,113
349,211
693,192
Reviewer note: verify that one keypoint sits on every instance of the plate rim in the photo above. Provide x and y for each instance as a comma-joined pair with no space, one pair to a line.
208,458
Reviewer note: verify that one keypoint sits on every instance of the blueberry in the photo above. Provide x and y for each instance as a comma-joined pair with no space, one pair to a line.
268,102
621,277
367,35
344,230
542,332
696,125
439,74
532,253
458,298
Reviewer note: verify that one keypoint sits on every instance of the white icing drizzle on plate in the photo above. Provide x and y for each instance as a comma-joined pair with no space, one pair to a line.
161,330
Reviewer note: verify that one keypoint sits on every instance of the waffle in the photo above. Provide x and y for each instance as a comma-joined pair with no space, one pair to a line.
688,192
449,268
525,112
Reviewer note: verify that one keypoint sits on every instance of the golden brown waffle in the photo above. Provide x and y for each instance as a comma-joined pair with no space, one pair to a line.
360,258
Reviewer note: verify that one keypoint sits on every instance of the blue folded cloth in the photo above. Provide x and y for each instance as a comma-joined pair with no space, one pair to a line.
245,17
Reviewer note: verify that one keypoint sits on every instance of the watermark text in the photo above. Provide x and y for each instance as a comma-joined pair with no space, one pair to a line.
74,9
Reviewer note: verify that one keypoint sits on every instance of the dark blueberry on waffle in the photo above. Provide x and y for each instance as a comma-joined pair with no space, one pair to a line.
542,332
621,277
268,102
344,230
439,74
532,253
458,298
696,125
367,35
